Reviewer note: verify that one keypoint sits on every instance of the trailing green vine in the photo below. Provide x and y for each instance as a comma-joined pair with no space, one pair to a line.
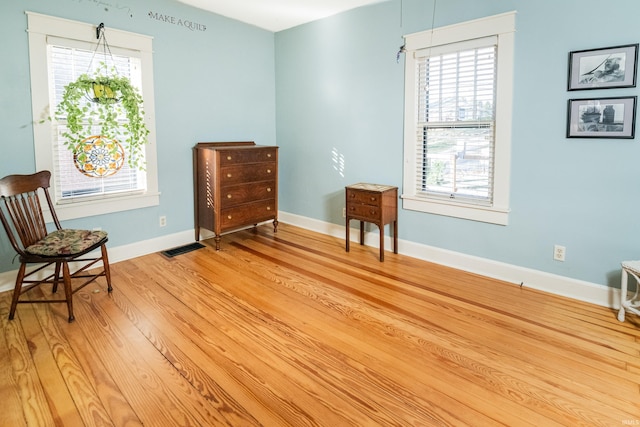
98,101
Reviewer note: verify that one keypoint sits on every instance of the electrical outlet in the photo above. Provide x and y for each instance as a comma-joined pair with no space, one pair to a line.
559,252
163,221
344,212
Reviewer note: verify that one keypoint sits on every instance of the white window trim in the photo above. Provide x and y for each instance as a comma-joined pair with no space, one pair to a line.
502,26
42,26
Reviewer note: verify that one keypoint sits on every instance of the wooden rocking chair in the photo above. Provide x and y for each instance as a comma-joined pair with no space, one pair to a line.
22,217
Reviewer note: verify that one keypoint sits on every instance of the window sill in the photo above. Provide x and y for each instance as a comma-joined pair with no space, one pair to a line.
492,215
85,208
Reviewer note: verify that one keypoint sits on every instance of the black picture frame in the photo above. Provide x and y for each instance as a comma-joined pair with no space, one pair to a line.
604,68
613,117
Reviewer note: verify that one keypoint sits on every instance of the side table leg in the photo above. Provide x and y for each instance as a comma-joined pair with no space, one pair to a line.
217,240
381,227
362,232
395,236
347,237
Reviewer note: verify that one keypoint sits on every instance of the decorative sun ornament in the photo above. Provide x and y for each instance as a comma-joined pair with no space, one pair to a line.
99,157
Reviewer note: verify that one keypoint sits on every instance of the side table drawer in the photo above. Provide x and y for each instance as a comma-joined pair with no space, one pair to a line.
366,212
363,197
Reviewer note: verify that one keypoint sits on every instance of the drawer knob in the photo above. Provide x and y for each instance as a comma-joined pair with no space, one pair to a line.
228,157
229,196
269,190
352,195
268,154
268,208
373,199
229,217
268,170
372,212
228,175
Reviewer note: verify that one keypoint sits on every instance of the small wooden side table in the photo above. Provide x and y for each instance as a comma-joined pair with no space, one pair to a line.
377,204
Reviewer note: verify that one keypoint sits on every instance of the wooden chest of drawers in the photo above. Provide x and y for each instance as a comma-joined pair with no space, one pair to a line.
377,204
236,186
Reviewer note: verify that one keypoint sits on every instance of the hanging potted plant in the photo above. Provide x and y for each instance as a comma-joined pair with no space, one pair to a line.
93,107
102,109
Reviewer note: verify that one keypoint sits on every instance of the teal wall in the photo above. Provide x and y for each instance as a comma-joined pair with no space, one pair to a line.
212,85
339,89
330,94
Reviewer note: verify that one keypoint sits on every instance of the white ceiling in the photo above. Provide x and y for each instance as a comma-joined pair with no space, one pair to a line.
277,15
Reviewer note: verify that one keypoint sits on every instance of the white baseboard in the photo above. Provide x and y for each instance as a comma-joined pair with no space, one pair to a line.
559,285
122,253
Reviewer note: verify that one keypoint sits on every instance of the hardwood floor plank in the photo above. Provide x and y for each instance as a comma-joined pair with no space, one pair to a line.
153,349
286,304
58,396
92,363
62,360
178,345
11,413
567,405
601,339
288,329
35,407
502,320
125,357
264,318
235,342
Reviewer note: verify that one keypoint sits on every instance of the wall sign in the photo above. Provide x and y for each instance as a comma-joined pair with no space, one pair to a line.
190,25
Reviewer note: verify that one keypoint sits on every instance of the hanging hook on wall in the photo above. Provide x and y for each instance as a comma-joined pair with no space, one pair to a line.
99,28
402,50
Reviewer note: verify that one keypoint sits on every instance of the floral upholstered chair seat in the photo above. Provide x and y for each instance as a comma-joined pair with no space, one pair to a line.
66,242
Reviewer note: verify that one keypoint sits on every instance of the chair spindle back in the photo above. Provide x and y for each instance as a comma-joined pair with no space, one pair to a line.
21,212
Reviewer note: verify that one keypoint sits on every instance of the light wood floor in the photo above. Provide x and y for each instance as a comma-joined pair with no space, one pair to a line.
289,330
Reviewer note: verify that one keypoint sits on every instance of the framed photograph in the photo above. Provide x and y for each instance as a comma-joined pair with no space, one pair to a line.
602,117
603,68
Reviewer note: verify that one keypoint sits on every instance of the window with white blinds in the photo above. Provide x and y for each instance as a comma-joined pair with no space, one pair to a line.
456,119
458,98
59,51
66,64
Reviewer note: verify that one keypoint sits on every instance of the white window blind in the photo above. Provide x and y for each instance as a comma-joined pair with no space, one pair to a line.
67,60
456,93
457,130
